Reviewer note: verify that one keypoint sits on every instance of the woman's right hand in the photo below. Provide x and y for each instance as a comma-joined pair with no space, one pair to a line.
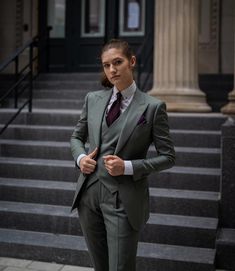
87,163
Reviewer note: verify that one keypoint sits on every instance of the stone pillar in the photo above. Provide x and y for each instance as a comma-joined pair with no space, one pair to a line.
229,108
176,56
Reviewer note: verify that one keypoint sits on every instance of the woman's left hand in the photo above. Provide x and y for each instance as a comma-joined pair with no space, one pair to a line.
114,164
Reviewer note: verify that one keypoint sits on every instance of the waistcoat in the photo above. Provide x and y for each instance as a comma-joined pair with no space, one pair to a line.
109,140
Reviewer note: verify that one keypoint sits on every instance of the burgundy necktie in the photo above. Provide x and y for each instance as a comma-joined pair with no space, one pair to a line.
115,110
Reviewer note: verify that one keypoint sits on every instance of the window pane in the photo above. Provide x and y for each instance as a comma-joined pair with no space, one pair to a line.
132,17
56,18
93,18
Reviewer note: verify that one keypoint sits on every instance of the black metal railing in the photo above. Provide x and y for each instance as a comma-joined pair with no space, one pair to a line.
145,62
23,79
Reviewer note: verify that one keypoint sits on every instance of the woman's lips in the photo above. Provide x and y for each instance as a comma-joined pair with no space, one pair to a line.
115,77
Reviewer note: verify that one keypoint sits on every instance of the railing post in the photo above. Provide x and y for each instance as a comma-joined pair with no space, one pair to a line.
30,76
16,80
49,28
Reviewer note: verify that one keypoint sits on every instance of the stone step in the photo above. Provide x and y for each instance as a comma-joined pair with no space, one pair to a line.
196,138
63,117
190,178
180,230
184,202
69,76
63,104
160,228
51,103
64,84
38,132
168,201
29,168
198,157
196,121
194,157
42,117
72,250
37,191
36,149
77,95
182,138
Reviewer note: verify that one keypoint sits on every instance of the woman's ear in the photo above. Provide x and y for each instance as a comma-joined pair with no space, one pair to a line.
133,61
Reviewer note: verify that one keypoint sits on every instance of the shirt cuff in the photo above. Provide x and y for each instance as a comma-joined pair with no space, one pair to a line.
128,168
79,158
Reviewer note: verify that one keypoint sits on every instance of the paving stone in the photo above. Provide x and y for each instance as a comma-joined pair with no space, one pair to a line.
43,266
76,268
14,262
9,268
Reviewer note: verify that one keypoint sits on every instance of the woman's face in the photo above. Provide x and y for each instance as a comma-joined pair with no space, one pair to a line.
118,68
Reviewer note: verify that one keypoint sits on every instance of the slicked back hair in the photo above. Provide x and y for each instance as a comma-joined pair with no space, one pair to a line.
117,44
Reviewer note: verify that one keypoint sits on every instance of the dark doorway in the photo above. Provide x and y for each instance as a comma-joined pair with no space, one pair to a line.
81,27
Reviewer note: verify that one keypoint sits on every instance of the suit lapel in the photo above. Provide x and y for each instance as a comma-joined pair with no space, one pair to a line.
101,102
137,108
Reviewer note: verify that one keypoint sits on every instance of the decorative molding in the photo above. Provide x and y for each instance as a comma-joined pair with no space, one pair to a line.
209,25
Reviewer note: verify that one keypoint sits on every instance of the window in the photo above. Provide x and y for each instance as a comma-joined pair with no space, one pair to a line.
93,18
132,18
56,18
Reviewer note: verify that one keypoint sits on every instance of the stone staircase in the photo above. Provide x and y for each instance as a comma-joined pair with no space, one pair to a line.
37,183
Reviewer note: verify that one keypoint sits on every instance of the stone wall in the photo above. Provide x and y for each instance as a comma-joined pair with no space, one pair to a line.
227,36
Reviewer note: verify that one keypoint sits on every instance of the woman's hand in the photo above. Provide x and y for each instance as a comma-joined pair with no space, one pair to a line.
114,164
87,163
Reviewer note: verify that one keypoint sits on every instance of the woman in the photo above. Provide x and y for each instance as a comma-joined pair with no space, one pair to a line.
112,193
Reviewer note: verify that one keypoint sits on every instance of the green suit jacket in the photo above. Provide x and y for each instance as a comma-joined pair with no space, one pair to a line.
146,123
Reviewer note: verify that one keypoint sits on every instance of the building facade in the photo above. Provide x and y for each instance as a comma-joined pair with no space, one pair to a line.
169,37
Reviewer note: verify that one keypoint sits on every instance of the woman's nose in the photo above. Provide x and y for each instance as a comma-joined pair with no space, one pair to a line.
112,68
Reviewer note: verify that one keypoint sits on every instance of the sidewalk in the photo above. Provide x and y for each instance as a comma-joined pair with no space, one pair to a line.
11,264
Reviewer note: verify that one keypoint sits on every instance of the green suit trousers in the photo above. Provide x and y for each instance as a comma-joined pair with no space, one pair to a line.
111,240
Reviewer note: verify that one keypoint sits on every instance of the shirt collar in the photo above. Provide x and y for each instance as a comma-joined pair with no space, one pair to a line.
128,92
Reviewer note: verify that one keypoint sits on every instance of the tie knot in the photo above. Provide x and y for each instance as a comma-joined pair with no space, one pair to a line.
119,96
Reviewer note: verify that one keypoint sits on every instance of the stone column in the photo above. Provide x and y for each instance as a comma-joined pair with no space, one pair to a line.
176,56
229,108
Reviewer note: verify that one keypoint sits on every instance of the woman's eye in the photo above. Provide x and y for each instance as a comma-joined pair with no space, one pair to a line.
106,66
118,62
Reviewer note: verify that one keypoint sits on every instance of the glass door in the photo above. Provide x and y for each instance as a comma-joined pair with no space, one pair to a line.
86,29
93,18
56,19
132,18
